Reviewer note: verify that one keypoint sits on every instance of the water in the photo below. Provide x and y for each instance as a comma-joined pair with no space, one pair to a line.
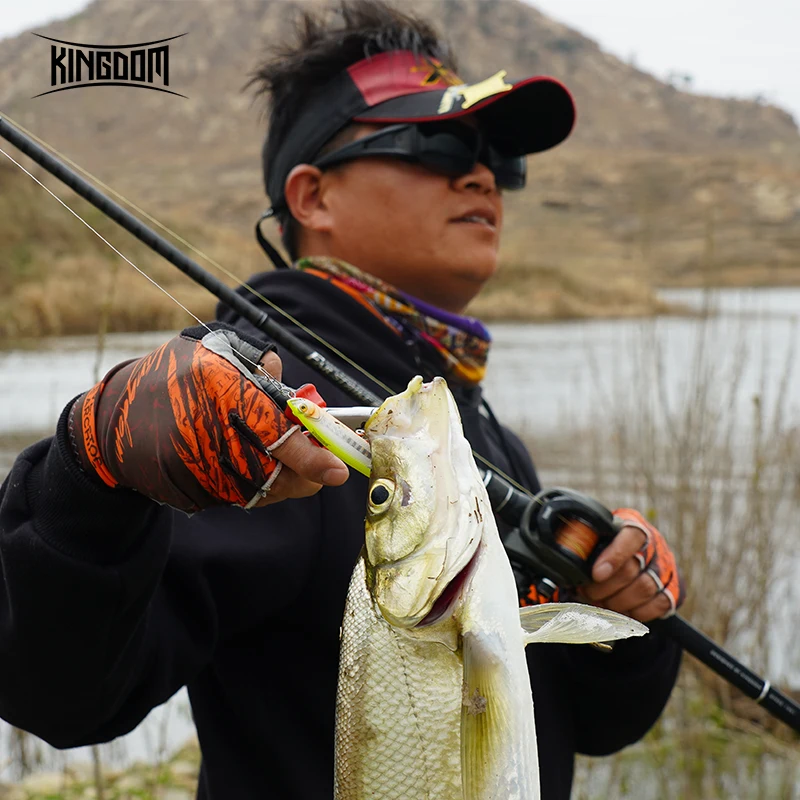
540,377
36,384
545,379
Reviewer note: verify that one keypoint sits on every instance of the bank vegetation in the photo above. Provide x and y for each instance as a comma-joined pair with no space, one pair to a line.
723,485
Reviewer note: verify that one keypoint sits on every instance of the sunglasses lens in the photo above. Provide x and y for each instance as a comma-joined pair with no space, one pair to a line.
454,148
449,148
509,171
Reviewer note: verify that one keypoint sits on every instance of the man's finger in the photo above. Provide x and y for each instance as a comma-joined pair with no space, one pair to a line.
623,577
641,591
272,363
655,608
310,462
289,486
624,545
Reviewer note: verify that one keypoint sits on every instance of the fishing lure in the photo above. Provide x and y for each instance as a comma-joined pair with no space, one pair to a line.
333,433
336,429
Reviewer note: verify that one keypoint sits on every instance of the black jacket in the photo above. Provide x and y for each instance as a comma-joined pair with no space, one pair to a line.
109,603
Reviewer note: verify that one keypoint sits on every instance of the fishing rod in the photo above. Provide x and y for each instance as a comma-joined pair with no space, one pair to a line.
546,543
252,313
540,524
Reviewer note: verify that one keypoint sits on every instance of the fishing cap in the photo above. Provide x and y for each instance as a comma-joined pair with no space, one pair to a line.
519,116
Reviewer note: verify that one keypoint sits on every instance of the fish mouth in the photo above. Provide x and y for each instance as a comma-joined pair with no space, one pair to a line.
450,593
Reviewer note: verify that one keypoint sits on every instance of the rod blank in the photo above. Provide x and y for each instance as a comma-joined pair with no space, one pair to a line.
693,641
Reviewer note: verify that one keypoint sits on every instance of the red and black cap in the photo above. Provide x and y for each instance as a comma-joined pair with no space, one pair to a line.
519,117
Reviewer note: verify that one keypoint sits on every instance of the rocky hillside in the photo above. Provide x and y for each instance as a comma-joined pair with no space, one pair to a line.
656,186
620,106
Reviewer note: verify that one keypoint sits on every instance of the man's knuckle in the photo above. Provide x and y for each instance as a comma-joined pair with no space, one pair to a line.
645,588
614,559
631,568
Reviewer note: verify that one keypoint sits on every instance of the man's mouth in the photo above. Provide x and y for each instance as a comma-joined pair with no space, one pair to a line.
486,219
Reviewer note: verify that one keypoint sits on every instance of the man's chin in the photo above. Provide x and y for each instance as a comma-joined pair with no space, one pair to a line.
477,273
467,284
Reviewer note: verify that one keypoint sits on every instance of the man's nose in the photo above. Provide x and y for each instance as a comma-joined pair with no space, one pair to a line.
481,178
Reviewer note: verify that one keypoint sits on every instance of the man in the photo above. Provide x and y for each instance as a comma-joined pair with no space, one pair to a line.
386,174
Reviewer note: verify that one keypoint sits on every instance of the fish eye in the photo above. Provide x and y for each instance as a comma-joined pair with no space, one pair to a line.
381,494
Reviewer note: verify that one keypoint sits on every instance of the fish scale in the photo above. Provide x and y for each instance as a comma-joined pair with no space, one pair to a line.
389,751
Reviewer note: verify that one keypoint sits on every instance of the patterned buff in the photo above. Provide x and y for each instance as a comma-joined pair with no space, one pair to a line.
461,342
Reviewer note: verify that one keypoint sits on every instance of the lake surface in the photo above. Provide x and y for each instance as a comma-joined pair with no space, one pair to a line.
544,377
540,377
545,380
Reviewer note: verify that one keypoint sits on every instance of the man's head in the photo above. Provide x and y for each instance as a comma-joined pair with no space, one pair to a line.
379,155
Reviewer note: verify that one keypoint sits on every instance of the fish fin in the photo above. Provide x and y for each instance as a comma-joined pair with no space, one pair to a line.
485,717
576,623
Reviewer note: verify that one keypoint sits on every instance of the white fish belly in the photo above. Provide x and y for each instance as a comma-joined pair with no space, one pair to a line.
499,755
397,712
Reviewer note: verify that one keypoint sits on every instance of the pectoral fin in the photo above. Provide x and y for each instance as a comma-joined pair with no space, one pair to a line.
576,623
485,717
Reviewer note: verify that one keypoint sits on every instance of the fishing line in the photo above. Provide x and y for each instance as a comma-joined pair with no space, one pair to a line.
210,259
492,468
575,539
252,290
578,539
270,303
565,538
155,283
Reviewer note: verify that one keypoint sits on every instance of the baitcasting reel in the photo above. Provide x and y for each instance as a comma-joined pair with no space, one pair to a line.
555,537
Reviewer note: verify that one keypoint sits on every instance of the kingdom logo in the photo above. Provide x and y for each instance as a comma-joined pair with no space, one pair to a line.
143,66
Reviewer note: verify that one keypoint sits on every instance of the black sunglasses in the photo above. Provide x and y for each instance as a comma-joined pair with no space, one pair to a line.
449,147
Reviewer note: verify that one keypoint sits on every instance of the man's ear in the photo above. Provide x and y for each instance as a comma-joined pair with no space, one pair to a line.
304,195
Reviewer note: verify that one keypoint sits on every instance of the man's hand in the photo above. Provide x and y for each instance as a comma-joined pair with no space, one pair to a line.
189,426
636,574
307,467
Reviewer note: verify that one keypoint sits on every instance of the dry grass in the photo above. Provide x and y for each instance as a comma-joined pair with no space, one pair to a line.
525,293
57,277
591,237
722,486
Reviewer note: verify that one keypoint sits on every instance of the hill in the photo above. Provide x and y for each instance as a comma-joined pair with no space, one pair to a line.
657,186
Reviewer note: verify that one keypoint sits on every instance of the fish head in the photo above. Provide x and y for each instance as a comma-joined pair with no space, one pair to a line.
424,515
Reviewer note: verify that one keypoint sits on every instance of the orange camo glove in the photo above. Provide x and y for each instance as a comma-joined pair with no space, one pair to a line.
187,425
656,559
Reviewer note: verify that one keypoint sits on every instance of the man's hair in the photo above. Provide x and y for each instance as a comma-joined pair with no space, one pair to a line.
325,44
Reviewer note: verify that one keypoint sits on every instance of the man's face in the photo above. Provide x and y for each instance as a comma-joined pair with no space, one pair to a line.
430,235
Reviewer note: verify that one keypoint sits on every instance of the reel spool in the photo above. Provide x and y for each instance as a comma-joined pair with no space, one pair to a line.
560,535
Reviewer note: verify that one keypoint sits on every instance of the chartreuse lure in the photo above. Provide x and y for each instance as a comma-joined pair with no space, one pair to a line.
333,434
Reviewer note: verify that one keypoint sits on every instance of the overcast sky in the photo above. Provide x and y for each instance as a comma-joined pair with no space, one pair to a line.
739,48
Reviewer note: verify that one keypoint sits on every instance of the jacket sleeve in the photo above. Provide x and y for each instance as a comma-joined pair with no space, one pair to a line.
80,563
109,602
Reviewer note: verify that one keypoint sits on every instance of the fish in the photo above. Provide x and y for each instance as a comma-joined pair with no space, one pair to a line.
434,698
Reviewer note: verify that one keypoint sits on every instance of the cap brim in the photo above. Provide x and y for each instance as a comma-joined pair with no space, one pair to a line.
535,114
